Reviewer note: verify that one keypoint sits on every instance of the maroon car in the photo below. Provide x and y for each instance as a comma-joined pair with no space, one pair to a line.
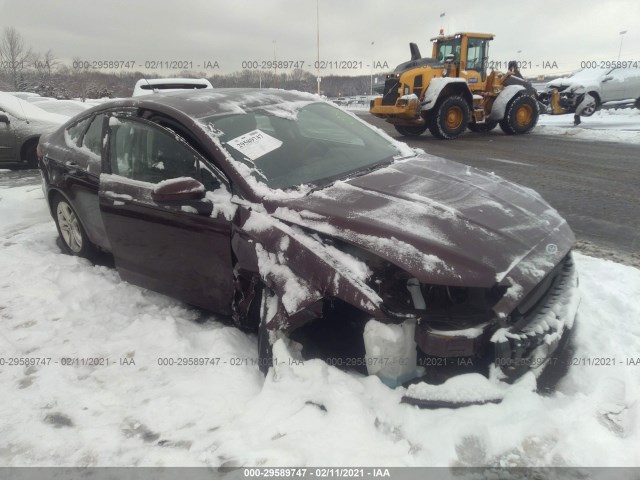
301,221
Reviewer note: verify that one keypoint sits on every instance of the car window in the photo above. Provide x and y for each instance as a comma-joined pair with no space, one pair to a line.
143,152
73,132
93,137
322,143
313,124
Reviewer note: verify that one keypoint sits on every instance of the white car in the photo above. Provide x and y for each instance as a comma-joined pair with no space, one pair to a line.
146,86
604,85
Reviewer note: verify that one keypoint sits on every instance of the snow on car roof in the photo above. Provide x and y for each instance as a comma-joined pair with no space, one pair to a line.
210,102
63,107
27,111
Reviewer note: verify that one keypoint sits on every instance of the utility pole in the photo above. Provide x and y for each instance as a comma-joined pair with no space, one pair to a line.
372,62
318,42
621,37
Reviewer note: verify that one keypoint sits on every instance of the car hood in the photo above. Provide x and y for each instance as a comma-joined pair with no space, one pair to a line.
443,222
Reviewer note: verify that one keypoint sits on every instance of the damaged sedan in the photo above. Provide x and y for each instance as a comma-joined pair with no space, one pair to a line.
300,221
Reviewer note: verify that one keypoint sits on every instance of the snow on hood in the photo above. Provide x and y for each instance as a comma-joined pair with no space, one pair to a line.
441,221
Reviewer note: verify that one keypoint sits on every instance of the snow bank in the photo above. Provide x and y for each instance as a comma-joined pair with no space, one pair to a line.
621,125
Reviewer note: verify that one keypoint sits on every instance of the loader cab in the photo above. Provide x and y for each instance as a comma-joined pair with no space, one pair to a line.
464,55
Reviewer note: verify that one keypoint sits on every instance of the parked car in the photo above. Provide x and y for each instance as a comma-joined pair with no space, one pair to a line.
21,125
604,85
292,216
342,101
68,108
156,85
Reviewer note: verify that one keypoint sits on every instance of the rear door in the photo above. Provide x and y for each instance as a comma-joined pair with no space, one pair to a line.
177,248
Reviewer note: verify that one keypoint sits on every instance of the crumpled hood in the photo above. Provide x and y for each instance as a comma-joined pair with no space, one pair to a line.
444,222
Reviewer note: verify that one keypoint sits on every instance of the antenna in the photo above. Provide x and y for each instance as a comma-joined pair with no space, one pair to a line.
26,119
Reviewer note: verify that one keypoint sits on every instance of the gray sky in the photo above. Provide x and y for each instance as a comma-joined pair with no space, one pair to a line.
232,31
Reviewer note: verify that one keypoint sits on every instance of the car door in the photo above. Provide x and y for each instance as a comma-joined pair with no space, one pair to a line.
631,83
81,163
176,246
7,139
612,85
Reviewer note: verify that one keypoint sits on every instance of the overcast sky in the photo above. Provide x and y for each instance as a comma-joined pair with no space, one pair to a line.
232,31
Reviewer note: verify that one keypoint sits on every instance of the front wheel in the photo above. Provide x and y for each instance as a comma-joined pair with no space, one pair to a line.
74,238
410,130
520,116
450,118
592,107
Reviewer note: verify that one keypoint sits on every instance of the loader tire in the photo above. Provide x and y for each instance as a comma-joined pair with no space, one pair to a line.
520,116
483,127
449,118
410,130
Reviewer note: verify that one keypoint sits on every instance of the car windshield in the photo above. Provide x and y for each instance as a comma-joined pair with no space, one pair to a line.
317,145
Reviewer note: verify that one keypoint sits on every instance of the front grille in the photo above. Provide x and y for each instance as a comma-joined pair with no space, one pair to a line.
539,295
535,335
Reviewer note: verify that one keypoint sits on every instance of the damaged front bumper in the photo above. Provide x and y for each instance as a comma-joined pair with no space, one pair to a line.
526,343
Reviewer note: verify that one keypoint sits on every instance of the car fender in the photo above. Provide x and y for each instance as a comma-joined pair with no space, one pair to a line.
504,97
445,86
297,266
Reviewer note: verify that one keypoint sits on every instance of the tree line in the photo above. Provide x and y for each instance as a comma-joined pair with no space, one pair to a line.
26,70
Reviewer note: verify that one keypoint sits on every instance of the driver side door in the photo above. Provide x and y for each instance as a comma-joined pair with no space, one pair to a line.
168,243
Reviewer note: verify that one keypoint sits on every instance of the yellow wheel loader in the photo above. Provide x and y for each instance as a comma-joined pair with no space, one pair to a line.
451,91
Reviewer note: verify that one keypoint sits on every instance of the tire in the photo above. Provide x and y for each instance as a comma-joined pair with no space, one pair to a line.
410,130
520,116
31,155
587,112
73,238
450,118
483,127
265,348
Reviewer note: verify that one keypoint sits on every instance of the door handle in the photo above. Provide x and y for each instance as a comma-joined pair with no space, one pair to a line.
118,197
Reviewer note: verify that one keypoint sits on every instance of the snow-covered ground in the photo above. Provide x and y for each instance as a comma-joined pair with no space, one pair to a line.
612,125
134,411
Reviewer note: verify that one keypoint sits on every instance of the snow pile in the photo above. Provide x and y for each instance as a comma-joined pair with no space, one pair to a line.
466,389
610,125
141,410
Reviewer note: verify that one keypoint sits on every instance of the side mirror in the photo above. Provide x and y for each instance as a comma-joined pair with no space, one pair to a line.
178,190
4,119
607,78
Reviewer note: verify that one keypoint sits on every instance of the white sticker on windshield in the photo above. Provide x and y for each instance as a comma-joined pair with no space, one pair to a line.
255,144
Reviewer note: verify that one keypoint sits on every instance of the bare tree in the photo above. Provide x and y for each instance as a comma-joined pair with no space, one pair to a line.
44,64
14,53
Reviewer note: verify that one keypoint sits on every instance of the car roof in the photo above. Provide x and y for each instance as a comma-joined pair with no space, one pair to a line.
27,111
210,102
